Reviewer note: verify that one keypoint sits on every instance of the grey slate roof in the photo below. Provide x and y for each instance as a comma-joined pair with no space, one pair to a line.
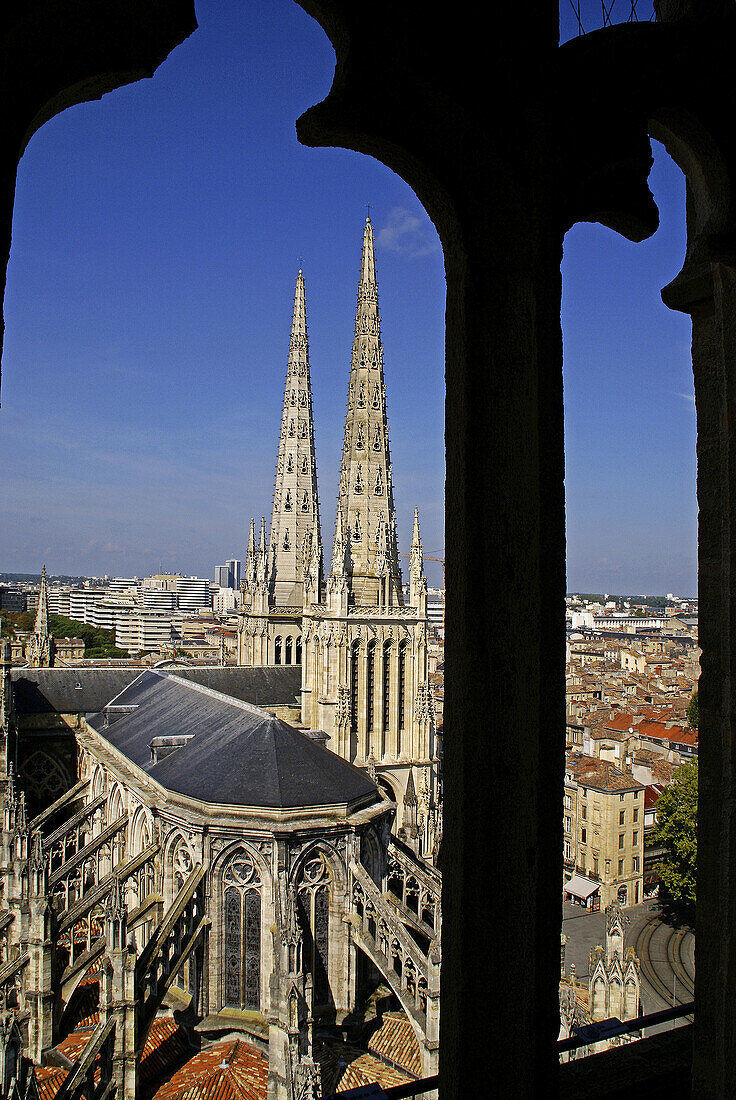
67,690
86,690
231,753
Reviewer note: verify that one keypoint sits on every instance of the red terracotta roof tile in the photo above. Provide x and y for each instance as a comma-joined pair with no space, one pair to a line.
396,1041
231,1070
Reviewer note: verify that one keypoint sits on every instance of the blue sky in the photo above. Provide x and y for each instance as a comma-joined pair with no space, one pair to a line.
156,240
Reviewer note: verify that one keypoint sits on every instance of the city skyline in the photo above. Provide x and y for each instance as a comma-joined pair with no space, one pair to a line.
157,236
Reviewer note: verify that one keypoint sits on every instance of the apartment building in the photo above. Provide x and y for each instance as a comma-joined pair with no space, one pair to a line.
603,833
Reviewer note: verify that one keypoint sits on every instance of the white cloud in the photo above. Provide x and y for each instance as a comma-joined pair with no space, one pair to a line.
407,234
689,397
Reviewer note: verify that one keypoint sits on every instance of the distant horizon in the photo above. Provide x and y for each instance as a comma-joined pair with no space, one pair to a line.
32,577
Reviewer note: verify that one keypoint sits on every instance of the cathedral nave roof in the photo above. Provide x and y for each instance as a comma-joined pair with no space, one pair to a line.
229,752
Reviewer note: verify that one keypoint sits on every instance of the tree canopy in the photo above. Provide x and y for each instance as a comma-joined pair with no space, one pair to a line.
693,714
676,830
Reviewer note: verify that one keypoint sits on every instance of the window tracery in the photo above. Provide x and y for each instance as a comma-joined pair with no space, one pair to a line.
45,780
287,502
241,892
289,463
182,863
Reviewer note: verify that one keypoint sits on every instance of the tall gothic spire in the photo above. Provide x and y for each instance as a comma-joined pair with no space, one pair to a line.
365,502
41,626
40,647
295,504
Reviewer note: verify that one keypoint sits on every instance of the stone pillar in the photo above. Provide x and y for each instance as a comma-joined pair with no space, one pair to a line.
119,994
707,292
38,993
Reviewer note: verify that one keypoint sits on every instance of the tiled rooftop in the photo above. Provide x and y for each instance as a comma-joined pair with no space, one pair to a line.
396,1041
346,1067
230,1070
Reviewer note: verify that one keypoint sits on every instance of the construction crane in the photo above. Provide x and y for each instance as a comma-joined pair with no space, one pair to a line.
428,557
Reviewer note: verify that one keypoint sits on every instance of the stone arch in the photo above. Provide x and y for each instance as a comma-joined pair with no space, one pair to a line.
141,830
333,858
223,857
179,859
372,855
115,802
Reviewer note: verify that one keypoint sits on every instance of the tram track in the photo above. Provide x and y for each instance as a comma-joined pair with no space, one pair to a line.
669,976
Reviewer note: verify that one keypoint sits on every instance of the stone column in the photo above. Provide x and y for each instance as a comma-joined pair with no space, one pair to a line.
707,292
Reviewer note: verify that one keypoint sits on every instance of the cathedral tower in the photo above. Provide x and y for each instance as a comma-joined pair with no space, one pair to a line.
269,628
365,671
365,499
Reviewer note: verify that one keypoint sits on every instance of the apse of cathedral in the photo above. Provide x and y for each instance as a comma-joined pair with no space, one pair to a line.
193,889
361,647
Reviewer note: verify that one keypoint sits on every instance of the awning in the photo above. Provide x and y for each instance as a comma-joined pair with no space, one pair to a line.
581,887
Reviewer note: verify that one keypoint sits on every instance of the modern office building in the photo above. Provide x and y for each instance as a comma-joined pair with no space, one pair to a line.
192,593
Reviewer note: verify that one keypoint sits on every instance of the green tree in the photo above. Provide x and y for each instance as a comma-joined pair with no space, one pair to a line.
676,830
693,714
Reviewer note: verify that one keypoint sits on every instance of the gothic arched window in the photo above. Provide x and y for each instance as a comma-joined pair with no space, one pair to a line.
359,439
277,650
302,400
370,690
386,690
44,780
361,396
359,479
286,544
376,397
313,897
289,650
401,692
241,907
305,465
303,432
379,483
354,652
299,650
293,397
292,431
377,439
305,501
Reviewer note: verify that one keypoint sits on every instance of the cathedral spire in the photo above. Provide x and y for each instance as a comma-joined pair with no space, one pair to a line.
295,503
41,626
249,578
365,505
40,645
